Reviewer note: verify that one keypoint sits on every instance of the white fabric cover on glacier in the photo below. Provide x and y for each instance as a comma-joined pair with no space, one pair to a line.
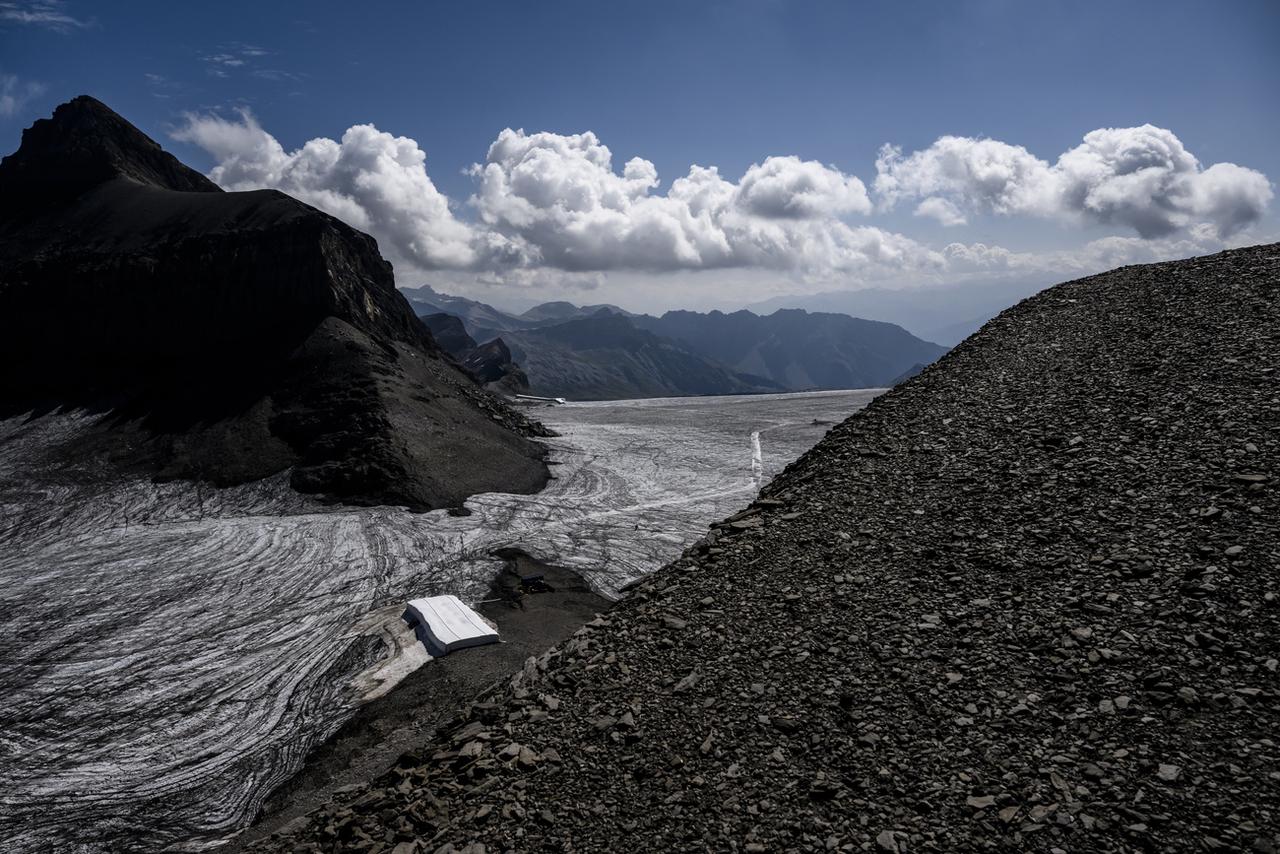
448,624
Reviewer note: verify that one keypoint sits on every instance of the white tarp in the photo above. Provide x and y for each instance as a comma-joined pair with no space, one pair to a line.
447,624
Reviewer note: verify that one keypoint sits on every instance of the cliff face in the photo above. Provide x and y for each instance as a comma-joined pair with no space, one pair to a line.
236,333
449,332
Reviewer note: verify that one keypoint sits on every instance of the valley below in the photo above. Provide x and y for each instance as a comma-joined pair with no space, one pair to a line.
172,652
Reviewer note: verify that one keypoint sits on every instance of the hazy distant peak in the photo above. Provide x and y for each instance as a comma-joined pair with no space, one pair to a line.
85,143
557,308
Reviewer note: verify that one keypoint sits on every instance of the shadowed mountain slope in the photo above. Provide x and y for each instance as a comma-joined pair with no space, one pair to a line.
606,357
230,335
1026,601
797,349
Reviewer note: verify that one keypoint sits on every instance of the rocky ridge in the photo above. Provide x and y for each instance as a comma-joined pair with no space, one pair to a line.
229,336
1025,601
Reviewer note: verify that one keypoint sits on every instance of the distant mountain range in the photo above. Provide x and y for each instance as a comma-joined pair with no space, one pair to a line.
946,314
604,352
797,349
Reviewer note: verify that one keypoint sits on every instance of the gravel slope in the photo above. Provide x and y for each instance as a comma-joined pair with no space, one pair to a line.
1024,602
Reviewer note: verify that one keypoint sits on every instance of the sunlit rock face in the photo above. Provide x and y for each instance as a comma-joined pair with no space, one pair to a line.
170,653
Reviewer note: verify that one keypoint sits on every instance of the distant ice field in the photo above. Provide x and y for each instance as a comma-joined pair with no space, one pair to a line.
170,653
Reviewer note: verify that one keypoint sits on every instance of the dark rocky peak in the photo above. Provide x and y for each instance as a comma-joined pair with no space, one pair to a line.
230,335
449,332
83,144
491,363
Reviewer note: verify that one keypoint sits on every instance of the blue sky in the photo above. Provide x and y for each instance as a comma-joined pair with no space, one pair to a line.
714,84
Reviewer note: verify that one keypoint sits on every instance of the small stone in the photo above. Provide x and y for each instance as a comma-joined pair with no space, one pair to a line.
981,802
1168,773
687,682
887,842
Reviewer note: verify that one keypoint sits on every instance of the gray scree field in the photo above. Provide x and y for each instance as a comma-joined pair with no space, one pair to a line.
170,653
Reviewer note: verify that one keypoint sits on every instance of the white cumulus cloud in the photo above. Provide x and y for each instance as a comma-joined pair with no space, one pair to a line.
1104,253
554,205
559,197
945,212
371,180
1140,177
788,187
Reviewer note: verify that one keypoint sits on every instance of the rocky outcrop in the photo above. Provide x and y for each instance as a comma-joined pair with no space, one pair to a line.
231,335
490,363
1025,601
449,332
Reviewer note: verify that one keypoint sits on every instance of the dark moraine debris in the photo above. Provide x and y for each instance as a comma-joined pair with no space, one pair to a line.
229,335
1025,601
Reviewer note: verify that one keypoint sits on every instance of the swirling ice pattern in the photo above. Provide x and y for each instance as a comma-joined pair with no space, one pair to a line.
169,654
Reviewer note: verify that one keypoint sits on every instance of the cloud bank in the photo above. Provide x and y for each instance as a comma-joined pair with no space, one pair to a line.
559,200
1140,177
554,202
